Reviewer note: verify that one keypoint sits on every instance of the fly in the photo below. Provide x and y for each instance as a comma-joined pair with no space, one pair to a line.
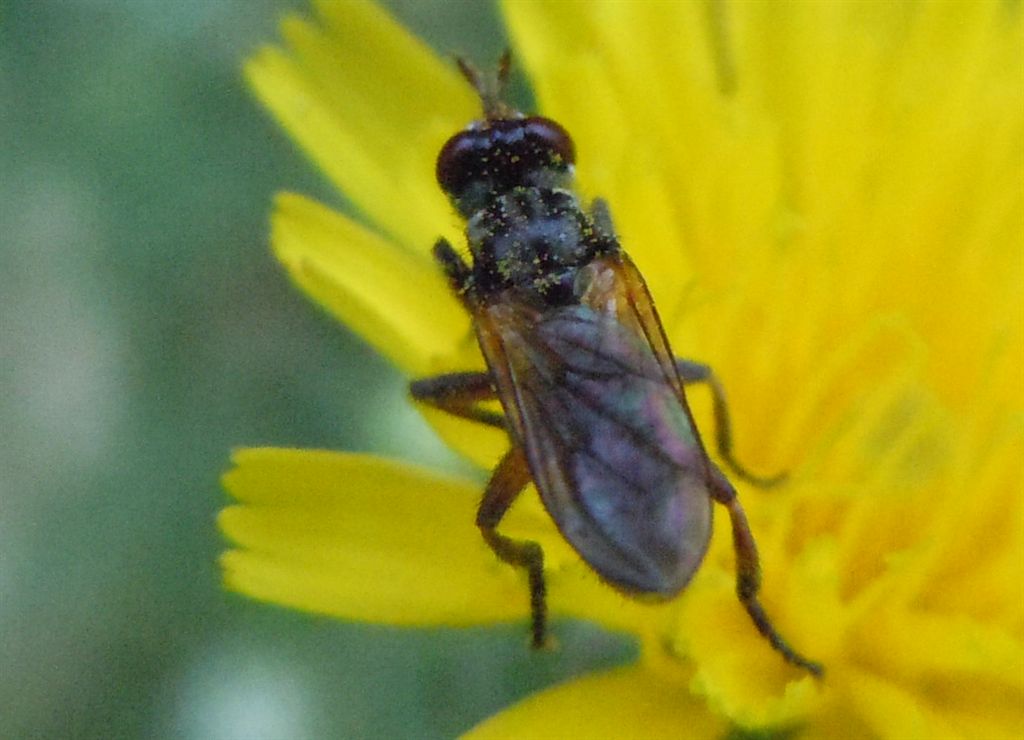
591,392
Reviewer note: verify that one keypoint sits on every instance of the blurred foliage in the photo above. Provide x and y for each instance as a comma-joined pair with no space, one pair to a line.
145,332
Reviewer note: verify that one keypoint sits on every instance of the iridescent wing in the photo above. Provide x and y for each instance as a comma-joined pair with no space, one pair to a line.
591,395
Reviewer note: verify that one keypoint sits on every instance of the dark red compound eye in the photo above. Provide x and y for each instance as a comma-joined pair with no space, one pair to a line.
549,134
455,163
502,154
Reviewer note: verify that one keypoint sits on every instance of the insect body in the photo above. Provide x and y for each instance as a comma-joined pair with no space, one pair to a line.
592,396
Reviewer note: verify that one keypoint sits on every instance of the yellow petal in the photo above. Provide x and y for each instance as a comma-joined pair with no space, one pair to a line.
901,127
374,135
953,573
626,703
738,672
907,645
894,713
362,538
394,299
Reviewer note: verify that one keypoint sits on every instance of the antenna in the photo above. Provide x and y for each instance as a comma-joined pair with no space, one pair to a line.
490,88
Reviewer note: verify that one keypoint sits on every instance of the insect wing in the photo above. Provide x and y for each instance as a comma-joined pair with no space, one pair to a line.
610,445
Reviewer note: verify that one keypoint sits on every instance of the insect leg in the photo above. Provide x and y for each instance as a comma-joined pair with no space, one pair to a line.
455,268
748,575
460,395
507,481
696,372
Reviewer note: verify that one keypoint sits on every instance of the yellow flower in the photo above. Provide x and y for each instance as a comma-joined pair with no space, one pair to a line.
826,200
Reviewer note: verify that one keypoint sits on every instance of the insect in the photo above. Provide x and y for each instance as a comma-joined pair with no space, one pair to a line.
592,395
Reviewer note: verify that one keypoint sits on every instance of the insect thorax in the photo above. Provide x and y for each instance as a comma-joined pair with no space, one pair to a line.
534,240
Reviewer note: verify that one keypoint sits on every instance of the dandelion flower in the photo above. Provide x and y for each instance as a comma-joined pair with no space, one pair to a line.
827,202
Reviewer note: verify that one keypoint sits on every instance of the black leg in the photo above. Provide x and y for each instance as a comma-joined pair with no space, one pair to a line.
748,575
459,273
507,482
459,394
695,372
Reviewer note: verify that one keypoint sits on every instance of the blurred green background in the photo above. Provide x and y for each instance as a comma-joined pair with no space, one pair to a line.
145,331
